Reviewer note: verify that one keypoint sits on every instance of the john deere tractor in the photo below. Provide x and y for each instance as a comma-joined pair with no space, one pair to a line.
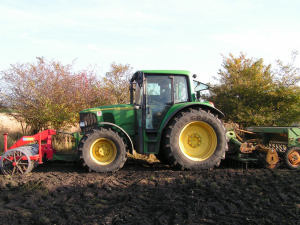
165,117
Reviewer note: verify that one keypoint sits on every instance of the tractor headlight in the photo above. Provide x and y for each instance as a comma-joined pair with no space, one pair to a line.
82,124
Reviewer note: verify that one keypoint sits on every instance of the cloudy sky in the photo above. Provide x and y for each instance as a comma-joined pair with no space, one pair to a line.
148,34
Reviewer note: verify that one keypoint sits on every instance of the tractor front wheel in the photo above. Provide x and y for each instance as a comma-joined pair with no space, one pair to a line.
195,140
103,150
292,158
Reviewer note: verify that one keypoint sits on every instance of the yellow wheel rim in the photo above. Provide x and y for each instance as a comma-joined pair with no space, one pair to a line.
103,151
198,141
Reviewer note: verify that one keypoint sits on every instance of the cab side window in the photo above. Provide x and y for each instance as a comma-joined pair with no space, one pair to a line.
180,89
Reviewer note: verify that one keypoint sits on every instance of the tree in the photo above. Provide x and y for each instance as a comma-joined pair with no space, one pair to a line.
287,79
47,94
250,93
116,83
287,74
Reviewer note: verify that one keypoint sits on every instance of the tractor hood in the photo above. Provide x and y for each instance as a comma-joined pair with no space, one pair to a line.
121,115
109,108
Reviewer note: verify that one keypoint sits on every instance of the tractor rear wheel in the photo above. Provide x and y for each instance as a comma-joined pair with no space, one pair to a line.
195,140
103,150
292,158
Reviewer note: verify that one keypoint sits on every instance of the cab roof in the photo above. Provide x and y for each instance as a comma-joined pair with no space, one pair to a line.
160,72
181,72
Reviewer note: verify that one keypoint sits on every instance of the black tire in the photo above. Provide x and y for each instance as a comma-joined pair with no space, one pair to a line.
292,158
115,152
161,157
184,123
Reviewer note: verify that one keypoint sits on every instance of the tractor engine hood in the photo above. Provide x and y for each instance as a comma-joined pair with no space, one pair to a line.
109,108
121,115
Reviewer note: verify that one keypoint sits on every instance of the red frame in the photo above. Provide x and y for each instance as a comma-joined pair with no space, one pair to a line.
44,149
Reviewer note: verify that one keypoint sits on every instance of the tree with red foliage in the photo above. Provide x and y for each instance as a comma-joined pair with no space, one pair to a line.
48,94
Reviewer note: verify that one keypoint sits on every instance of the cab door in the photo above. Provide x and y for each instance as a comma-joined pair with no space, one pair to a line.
139,108
159,99
153,99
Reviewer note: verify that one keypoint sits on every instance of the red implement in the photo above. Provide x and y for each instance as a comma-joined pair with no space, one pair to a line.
44,149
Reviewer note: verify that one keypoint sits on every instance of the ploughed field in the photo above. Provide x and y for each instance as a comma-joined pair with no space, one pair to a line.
151,193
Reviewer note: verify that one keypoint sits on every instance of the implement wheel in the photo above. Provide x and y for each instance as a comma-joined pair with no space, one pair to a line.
292,158
16,161
195,140
103,150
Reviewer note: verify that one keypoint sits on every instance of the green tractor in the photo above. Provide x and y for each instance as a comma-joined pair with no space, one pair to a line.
165,117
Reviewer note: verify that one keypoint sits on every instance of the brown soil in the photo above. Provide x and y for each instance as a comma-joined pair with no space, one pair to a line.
150,193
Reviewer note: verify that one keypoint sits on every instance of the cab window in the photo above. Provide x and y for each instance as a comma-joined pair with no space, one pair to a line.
180,89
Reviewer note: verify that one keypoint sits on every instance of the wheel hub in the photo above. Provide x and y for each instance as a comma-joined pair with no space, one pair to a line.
102,151
194,140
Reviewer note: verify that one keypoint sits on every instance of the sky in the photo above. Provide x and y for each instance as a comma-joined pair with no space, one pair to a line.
192,35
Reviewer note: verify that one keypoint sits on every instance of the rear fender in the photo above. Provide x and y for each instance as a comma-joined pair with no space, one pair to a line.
211,109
